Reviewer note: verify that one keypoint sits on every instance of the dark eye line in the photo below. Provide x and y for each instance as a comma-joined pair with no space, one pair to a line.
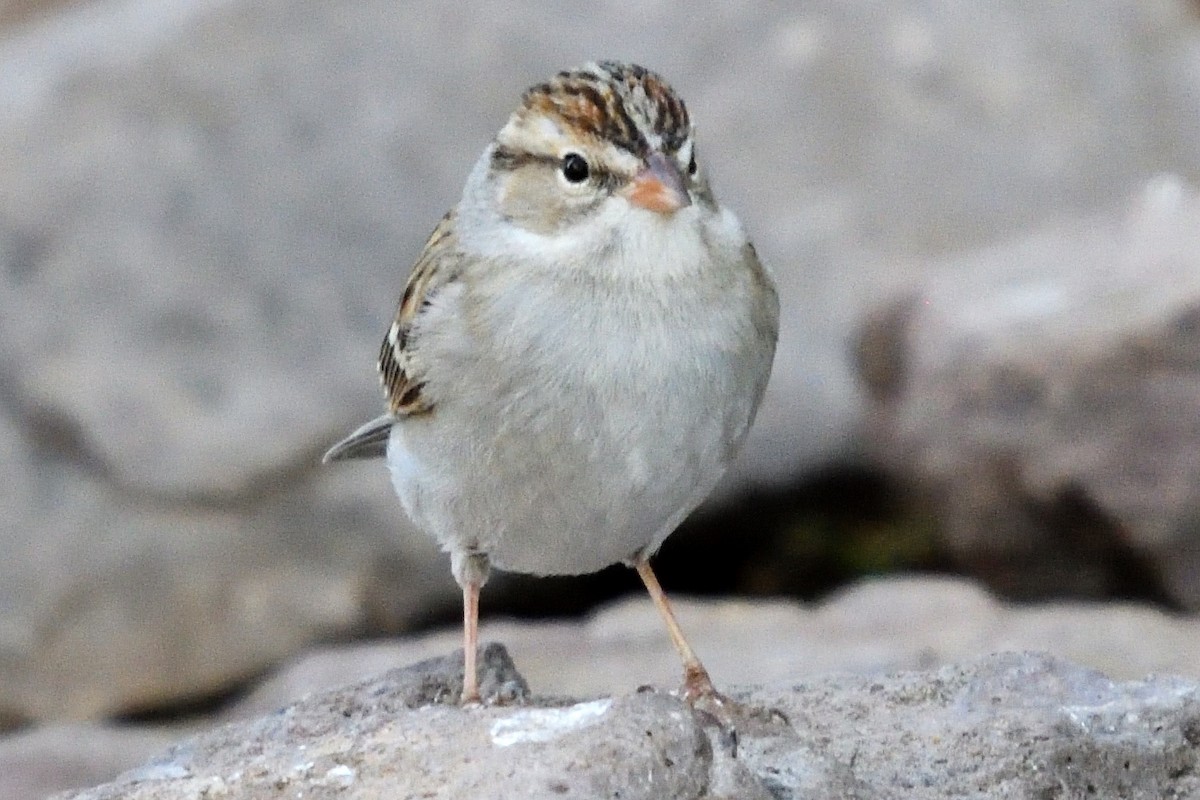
504,158
507,159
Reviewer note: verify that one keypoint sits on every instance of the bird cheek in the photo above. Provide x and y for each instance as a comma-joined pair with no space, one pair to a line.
529,200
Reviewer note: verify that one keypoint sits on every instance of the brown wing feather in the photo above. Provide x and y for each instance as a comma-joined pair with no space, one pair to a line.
399,369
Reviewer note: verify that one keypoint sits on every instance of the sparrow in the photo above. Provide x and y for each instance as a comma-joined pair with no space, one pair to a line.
580,349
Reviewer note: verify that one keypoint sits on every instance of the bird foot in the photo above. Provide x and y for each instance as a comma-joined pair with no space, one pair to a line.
727,714
509,693
496,680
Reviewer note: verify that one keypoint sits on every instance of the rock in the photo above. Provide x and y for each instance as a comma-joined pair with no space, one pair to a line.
1045,394
348,741
34,764
210,206
126,604
179,536
872,628
1005,725
1012,724
14,11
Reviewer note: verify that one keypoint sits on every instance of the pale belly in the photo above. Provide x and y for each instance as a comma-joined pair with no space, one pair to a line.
572,486
568,434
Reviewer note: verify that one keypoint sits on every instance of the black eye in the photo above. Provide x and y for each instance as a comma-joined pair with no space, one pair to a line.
574,168
692,166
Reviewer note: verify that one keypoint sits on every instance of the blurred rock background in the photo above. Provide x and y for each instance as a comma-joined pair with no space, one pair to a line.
982,222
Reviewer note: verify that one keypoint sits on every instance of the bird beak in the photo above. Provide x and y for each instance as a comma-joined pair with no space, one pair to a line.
659,186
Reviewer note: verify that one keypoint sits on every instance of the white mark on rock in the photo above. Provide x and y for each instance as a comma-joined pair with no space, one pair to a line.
340,776
166,770
546,724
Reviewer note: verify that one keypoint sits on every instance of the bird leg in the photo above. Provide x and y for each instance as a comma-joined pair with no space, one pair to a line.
471,571
470,690
696,682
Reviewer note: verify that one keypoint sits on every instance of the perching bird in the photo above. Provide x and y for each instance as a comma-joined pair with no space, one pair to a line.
580,349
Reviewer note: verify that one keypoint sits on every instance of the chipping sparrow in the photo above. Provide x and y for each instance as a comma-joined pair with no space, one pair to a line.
580,349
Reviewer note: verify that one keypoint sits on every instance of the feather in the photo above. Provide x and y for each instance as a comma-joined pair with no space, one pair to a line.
399,365
369,441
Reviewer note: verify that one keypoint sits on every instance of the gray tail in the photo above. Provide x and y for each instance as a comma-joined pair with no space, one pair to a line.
369,441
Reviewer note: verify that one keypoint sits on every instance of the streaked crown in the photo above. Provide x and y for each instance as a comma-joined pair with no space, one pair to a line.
622,104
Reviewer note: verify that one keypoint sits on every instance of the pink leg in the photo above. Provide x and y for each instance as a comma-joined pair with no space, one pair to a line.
696,682
470,692
470,569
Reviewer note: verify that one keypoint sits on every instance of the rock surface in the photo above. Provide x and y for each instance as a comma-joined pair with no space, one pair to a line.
207,208
1008,725
35,763
871,630
1046,393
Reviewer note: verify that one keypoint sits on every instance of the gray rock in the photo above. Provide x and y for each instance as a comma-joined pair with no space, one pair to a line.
871,630
210,206
15,11
1045,393
126,604
391,735
37,763
1008,725
164,544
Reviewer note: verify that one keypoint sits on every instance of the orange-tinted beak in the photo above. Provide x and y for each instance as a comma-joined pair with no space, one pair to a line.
659,186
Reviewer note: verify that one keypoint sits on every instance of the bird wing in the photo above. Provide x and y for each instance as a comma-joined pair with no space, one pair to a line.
399,367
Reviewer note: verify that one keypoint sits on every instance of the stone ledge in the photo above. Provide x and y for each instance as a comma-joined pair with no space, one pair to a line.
1004,725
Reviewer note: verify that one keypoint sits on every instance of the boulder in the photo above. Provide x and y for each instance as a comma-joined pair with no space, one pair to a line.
36,763
1045,394
1006,725
872,630
874,627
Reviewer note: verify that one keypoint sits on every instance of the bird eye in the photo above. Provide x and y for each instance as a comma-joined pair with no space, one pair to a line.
575,168
692,166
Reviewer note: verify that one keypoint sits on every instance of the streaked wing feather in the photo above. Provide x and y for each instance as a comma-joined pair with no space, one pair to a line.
399,369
